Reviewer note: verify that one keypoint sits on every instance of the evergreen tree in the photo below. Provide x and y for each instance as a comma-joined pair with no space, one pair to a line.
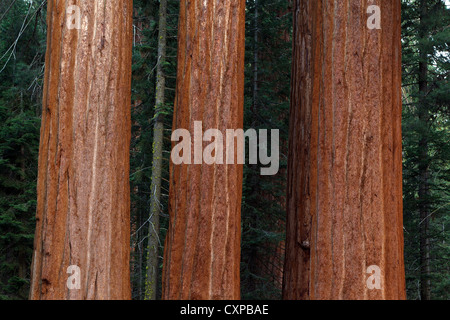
144,116
267,79
22,47
426,123
157,159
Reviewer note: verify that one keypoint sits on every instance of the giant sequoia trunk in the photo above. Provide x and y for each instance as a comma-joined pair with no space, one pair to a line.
202,250
345,167
83,184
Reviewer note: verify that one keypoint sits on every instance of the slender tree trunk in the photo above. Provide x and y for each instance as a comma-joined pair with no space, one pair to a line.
253,176
345,168
83,209
255,56
202,249
158,145
424,188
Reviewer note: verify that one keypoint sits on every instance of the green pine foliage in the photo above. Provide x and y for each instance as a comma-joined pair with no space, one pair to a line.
22,47
426,118
145,58
268,32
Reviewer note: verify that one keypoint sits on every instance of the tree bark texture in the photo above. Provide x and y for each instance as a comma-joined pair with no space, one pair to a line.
202,249
83,204
345,159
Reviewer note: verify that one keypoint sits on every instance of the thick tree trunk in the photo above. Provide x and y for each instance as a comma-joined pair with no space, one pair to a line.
83,184
158,145
202,250
345,168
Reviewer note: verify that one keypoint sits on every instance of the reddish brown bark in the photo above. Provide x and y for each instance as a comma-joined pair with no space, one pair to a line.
345,167
202,250
83,184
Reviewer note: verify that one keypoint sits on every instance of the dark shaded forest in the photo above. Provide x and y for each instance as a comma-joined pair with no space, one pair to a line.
267,91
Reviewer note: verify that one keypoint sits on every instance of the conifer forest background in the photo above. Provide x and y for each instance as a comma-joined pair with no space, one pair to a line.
268,62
